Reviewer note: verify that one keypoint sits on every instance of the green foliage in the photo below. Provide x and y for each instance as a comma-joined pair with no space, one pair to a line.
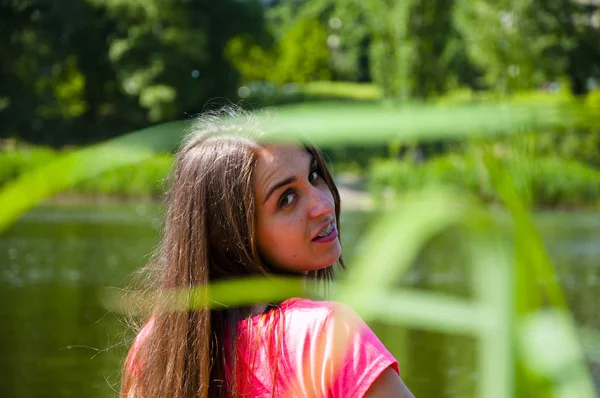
395,239
79,71
145,179
542,181
270,94
421,49
171,58
341,90
521,44
416,50
348,38
504,41
82,71
409,48
576,138
392,51
301,56
72,167
345,24
56,79
253,62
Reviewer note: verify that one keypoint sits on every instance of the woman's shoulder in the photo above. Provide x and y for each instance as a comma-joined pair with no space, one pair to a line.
345,357
300,317
315,311
132,362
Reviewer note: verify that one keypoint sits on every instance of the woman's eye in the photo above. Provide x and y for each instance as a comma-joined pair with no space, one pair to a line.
287,199
313,176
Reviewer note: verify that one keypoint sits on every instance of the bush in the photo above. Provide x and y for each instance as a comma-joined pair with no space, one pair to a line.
144,179
300,56
265,93
546,181
341,90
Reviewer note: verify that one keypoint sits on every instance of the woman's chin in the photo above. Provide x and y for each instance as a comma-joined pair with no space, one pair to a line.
336,253
314,264
330,261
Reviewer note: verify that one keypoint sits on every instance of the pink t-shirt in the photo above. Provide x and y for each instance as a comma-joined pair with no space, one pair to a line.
305,348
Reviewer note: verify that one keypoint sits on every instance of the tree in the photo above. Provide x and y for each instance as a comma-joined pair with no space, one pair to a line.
342,22
170,55
521,44
300,56
55,79
77,71
578,22
440,61
409,48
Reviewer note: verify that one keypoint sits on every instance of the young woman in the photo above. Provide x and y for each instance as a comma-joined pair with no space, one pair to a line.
238,206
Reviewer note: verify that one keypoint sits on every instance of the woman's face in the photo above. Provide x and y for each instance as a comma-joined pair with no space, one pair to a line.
296,226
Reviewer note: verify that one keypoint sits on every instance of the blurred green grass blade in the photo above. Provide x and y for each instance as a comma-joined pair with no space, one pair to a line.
348,123
22,194
533,264
549,347
423,310
164,137
369,124
248,291
492,274
395,238
221,294
534,270
25,192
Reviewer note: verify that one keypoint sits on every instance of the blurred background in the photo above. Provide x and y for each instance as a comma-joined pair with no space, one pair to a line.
78,72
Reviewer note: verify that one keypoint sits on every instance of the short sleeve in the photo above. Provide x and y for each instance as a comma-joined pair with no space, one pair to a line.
346,356
133,364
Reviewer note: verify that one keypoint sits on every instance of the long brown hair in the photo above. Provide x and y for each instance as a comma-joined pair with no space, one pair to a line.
208,235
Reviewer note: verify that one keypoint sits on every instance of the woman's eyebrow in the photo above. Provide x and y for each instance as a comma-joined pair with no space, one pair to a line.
312,163
280,184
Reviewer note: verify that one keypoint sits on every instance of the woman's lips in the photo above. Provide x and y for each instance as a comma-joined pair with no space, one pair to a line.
327,238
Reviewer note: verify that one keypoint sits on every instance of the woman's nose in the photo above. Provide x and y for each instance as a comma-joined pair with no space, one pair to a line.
320,203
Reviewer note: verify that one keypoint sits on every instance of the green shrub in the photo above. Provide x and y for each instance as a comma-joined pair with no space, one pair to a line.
267,93
341,90
143,179
140,180
544,181
300,56
556,182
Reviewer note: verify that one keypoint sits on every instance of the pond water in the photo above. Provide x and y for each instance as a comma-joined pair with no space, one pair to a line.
58,340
